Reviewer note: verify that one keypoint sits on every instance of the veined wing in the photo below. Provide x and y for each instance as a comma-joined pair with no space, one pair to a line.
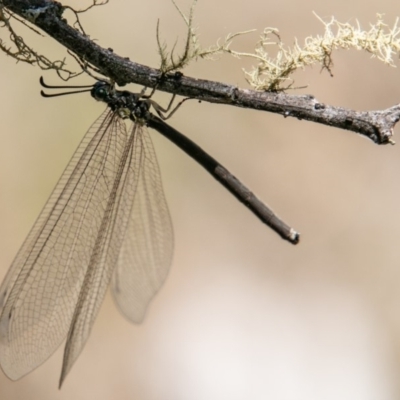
146,252
105,252
40,292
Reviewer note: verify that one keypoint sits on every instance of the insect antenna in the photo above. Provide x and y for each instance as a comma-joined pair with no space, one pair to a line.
86,88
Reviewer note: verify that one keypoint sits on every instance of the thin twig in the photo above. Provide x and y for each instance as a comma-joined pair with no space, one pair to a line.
376,125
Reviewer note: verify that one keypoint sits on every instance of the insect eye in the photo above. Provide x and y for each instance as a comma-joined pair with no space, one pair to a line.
101,93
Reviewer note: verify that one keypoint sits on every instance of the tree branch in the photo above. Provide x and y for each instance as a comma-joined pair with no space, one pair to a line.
47,15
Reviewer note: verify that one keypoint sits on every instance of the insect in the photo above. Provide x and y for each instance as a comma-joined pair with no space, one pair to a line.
106,222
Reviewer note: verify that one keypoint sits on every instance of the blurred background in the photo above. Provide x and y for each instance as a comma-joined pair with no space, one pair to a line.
243,314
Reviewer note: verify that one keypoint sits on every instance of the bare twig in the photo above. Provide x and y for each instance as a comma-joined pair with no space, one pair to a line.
376,125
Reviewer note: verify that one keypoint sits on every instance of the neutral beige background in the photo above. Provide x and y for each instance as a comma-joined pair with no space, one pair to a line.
243,314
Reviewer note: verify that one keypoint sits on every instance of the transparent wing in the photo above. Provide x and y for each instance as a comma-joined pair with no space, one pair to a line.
146,252
39,295
106,249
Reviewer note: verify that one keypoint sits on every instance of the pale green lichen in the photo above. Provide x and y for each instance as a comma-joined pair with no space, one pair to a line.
274,74
192,49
